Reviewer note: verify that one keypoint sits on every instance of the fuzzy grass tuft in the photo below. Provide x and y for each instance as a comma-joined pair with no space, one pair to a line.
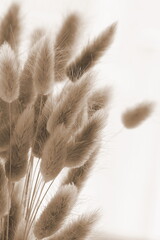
133,117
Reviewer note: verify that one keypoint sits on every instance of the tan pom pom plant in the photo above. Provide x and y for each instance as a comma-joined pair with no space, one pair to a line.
42,133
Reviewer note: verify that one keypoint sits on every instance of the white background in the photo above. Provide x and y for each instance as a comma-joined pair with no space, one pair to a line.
125,184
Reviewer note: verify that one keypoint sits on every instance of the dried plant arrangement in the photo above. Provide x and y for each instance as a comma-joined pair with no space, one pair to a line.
42,132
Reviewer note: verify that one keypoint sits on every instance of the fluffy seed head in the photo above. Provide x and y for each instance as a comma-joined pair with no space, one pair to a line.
18,167
64,45
5,122
91,54
135,116
83,143
69,106
10,27
54,154
9,85
53,216
78,176
40,133
27,91
38,108
79,229
23,128
43,70
16,164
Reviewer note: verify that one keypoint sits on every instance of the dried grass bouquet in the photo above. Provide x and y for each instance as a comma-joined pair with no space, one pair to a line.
42,132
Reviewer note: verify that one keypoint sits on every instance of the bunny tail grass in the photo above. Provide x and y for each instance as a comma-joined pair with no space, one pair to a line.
41,133
78,176
69,106
65,44
10,27
27,91
9,85
4,194
51,122
43,70
79,229
38,107
99,99
83,143
54,215
133,117
5,131
91,54
54,154
16,165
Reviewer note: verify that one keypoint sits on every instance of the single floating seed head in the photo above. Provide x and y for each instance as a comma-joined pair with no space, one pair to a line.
133,117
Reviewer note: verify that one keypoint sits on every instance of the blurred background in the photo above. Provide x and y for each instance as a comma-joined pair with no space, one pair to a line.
125,184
